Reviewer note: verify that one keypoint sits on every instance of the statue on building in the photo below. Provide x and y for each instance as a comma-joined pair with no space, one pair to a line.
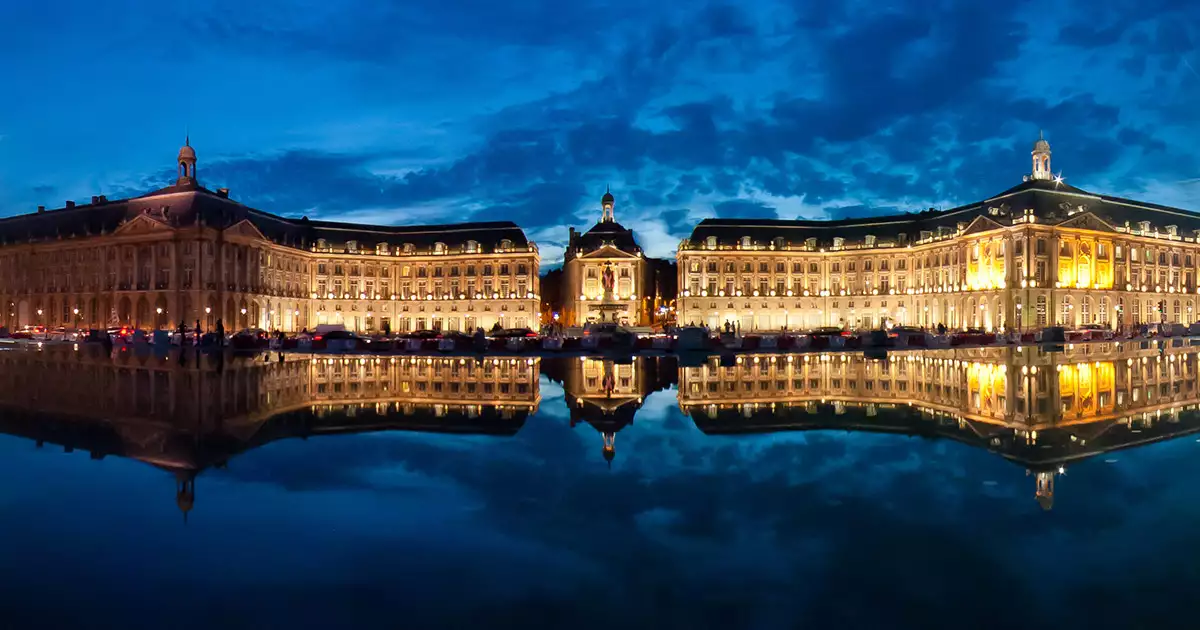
609,281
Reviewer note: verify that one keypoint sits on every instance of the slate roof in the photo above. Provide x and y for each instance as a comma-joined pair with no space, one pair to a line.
606,232
187,203
1046,198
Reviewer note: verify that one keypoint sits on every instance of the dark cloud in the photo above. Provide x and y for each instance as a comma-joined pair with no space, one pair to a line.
857,112
738,209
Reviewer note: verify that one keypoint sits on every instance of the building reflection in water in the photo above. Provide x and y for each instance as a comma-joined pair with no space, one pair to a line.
1040,409
184,413
606,393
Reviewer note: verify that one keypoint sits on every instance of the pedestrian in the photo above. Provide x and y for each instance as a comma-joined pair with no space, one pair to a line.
220,333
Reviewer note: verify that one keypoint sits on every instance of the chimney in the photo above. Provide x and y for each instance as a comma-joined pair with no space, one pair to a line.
41,208
95,198
70,204
223,192
103,199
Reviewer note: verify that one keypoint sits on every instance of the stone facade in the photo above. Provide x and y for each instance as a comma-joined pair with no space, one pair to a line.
606,276
185,253
1040,253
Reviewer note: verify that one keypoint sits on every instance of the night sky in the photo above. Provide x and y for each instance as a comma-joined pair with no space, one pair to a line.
420,112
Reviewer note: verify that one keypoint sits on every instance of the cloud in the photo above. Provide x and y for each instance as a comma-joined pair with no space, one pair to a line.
714,109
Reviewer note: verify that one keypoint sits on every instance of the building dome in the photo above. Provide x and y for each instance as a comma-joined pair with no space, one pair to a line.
1041,145
186,152
608,199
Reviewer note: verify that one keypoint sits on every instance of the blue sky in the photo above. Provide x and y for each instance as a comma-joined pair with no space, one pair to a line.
423,112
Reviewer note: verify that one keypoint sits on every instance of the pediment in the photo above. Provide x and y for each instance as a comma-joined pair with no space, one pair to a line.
982,224
143,224
245,228
1088,221
608,251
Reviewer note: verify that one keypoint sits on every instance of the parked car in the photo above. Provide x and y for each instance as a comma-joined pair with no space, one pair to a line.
972,337
909,337
1172,330
828,338
1051,334
96,335
340,341
510,333
249,339
1095,332
692,338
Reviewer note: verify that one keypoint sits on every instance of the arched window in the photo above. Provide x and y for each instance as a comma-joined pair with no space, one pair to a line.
711,242
1041,311
1178,313
1103,311
1085,310
505,245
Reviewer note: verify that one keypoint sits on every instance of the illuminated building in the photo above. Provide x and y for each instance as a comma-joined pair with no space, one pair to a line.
185,253
606,276
607,394
1039,409
185,416
1040,253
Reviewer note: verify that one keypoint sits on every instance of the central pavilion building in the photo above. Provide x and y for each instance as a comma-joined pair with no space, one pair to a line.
1041,252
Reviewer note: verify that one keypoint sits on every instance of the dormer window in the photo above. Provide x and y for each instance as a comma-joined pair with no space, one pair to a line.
838,242
505,245
778,242
745,242
710,242
408,248
322,244
472,247
870,240
810,244
381,249
1144,226
1173,230
351,246
439,248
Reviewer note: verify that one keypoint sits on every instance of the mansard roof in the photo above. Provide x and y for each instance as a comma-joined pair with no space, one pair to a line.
187,203
606,232
1052,202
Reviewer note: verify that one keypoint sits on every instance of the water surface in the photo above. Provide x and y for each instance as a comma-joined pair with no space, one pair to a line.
985,487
